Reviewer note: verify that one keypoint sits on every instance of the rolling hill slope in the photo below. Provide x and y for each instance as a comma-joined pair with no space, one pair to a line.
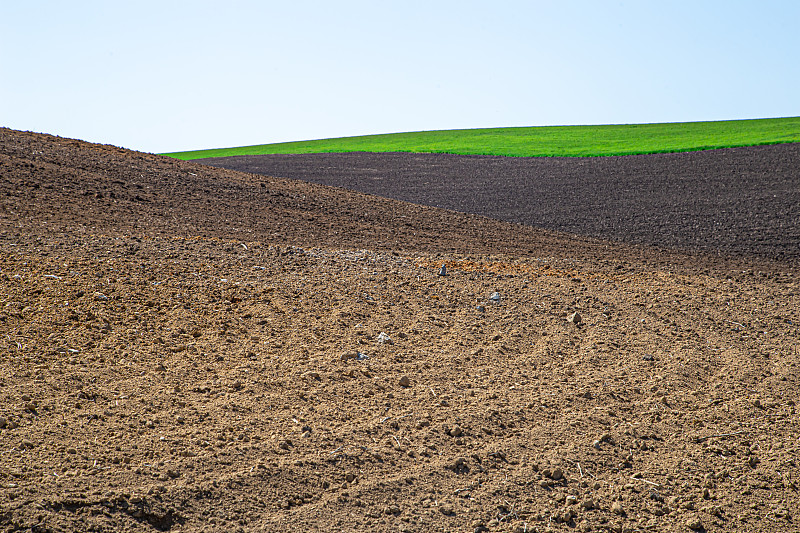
187,348
548,141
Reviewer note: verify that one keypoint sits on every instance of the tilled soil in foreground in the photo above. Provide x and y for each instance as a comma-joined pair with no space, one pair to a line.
184,348
739,201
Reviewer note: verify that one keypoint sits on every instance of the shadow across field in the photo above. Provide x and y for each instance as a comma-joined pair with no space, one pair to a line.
730,202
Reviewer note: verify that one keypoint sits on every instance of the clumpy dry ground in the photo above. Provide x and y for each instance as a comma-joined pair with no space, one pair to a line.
196,380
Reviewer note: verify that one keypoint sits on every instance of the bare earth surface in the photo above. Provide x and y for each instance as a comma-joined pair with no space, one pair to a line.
186,348
743,201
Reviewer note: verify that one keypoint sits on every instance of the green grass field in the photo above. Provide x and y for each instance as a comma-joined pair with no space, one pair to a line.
545,141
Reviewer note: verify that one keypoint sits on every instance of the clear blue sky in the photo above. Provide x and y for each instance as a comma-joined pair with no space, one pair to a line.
166,75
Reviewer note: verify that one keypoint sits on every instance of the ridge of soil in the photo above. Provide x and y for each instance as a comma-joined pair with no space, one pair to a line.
187,348
736,201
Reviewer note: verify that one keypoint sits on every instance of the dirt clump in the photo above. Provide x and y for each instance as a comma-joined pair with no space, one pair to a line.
194,349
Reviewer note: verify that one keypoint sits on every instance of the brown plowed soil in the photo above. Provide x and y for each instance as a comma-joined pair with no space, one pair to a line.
738,201
185,348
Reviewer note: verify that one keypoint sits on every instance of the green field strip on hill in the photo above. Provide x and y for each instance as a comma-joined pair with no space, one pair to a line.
544,141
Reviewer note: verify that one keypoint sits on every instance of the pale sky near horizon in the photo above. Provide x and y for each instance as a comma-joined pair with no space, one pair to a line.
165,75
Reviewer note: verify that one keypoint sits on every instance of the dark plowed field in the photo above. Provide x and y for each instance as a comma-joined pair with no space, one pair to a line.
741,201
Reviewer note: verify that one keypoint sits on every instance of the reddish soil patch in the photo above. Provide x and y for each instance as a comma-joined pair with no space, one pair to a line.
185,348
740,201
